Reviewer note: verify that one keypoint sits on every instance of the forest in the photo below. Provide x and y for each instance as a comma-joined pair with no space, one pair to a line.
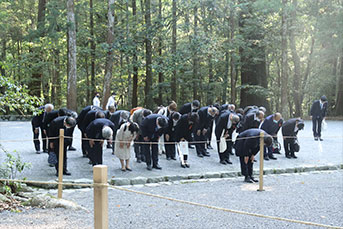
281,54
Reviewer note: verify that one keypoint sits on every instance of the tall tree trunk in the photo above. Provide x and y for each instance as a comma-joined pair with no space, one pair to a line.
339,97
284,63
72,88
253,62
148,57
208,30
3,56
196,83
129,86
92,46
174,34
135,59
232,56
56,83
160,40
109,58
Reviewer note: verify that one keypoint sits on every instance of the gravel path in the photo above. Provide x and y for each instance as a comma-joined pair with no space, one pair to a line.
315,197
328,152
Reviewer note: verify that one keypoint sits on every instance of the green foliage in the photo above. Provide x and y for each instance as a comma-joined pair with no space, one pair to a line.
16,98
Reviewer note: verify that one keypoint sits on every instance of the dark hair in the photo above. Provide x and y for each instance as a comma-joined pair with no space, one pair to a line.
162,122
62,112
146,112
196,103
323,98
176,116
133,127
239,111
301,125
70,121
268,140
193,117
217,105
99,114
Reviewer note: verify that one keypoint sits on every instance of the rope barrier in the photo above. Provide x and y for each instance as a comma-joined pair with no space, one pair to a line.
193,142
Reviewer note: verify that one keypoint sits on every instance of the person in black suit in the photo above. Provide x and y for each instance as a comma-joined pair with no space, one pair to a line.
153,126
118,118
318,113
99,129
271,125
206,116
289,131
251,120
247,148
66,123
67,112
169,135
184,129
190,107
37,123
225,126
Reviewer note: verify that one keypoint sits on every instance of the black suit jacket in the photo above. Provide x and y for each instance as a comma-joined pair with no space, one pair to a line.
250,146
183,129
204,119
318,112
94,129
289,126
149,127
250,122
222,125
49,117
89,117
186,108
54,129
115,118
84,112
37,120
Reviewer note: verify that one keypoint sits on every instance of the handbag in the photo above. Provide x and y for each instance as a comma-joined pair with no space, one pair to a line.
222,145
52,159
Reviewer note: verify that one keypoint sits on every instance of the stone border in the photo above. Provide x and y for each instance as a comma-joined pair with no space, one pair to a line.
172,178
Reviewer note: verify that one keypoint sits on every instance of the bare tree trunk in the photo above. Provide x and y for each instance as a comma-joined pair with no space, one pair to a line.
148,53
174,34
135,59
3,56
284,63
56,83
196,83
160,73
92,46
109,58
339,96
232,56
129,86
72,88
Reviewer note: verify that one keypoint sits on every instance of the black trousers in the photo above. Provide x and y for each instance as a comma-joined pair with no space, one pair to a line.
36,141
317,126
246,169
268,151
84,144
151,153
288,144
95,153
139,148
57,152
170,148
200,147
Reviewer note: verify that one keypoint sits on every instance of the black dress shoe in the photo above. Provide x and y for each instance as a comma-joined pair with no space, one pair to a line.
109,147
206,154
66,173
272,157
187,165
248,180
183,165
253,179
316,138
222,162
123,169
231,153
173,158
266,158
149,167
228,161
289,157
294,156
71,148
128,169
255,160
38,152
321,139
157,167
209,147
112,153
200,155
168,158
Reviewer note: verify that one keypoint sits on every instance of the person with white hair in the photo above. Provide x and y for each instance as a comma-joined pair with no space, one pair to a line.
97,131
124,137
37,123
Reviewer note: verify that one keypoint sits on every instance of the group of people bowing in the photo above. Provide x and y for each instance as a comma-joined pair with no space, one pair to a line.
167,130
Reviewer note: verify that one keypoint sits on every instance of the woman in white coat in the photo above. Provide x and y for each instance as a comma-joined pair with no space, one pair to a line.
125,135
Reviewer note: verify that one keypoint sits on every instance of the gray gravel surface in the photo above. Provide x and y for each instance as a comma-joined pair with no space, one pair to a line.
315,197
313,153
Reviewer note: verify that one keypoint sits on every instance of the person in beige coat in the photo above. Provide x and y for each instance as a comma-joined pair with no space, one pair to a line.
125,135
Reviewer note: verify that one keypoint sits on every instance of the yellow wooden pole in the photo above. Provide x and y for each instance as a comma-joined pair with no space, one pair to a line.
100,197
261,161
60,164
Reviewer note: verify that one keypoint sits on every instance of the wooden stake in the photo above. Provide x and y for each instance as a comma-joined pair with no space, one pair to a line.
261,161
60,164
100,197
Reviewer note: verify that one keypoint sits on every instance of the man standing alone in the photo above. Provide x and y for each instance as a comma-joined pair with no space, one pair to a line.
318,113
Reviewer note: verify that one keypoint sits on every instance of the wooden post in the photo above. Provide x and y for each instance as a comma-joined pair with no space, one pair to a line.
261,161
60,164
100,197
